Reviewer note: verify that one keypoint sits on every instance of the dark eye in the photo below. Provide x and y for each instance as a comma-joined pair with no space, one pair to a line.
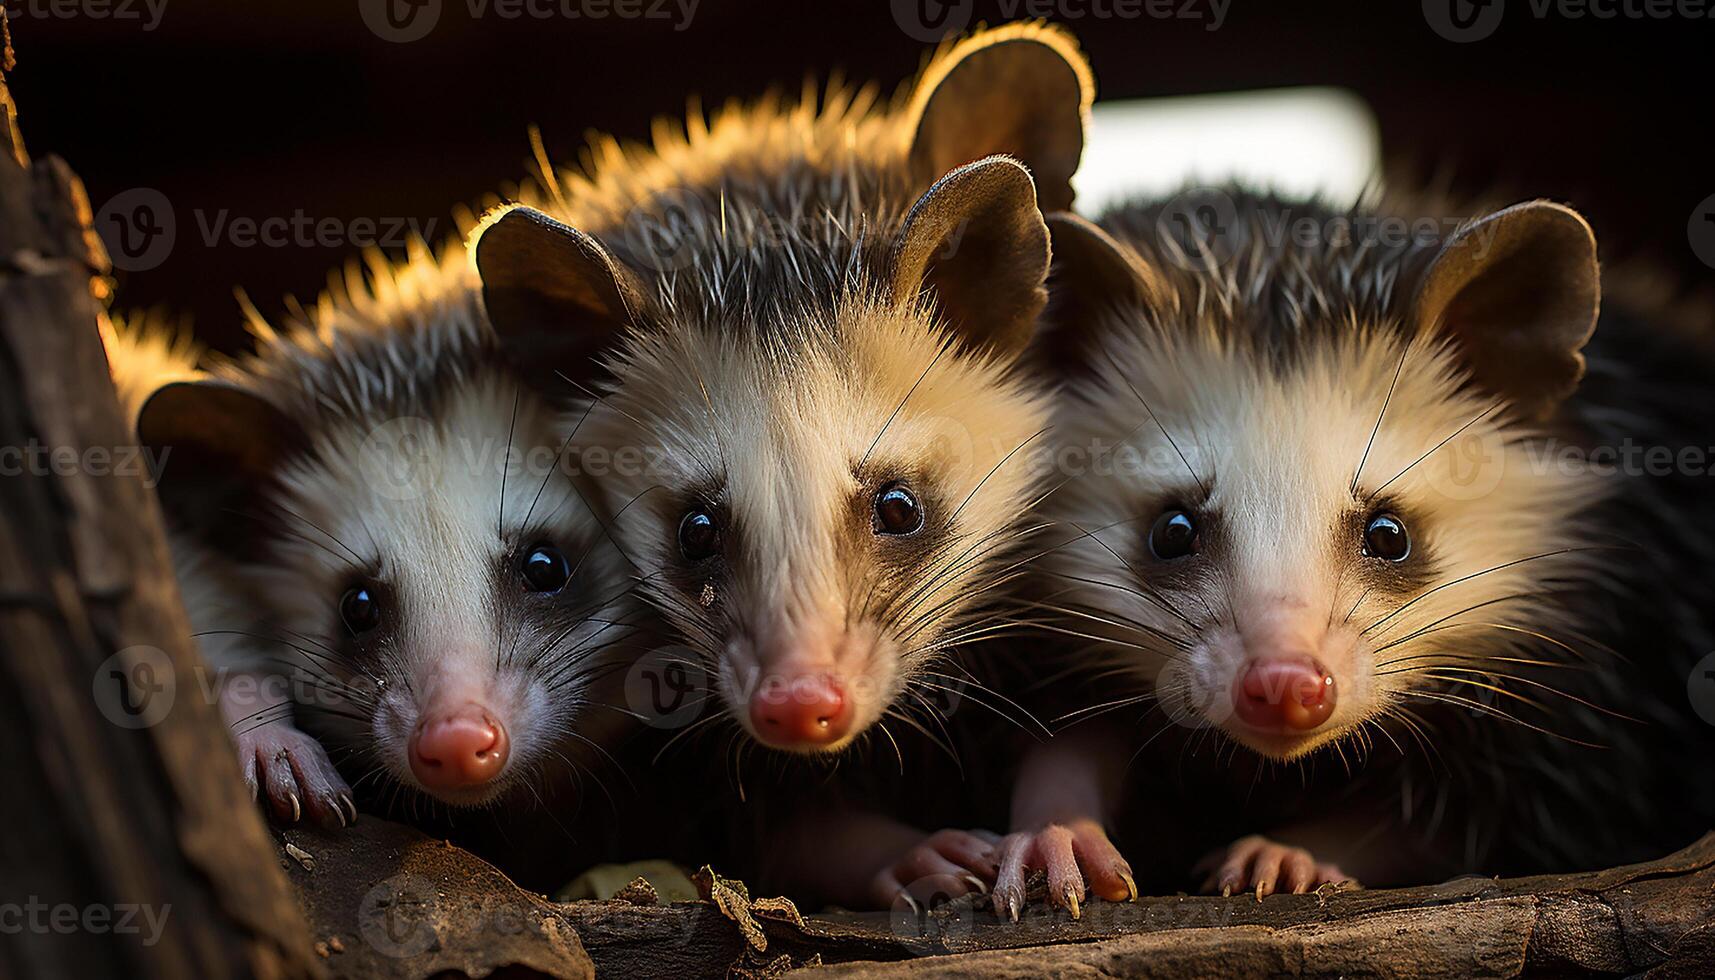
360,610
545,569
897,511
1174,535
699,536
1385,537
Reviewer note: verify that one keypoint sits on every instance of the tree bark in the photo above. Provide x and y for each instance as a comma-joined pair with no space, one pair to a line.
130,848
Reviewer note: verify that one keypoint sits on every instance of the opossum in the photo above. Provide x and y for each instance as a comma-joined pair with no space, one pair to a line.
817,315
407,579
145,353
1333,530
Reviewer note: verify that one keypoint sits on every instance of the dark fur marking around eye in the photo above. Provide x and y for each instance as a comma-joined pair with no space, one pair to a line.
1412,572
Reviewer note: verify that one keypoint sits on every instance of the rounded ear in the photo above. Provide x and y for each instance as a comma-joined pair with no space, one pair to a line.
1093,275
1518,291
553,295
977,240
1023,90
216,444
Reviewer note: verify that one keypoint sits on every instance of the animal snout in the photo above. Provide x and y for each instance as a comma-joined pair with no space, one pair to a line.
1284,694
459,750
804,712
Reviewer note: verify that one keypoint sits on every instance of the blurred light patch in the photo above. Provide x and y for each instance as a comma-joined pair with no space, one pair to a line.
1298,141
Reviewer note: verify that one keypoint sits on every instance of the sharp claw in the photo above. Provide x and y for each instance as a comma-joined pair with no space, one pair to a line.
1227,890
350,804
1012,907
1130,887
975,882
1072,903
297,810
915,908
1259,891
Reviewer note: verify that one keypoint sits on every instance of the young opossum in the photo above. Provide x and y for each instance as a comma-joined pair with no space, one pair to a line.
1342,503
817,315
406,575
144,356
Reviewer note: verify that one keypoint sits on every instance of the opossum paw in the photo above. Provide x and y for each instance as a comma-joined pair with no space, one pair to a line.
1072,853
293,773
947,863
1261,866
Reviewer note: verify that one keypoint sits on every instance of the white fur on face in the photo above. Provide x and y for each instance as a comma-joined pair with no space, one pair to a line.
418,509
774,439
1281,569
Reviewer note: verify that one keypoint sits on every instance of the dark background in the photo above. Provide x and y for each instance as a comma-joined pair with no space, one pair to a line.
270,107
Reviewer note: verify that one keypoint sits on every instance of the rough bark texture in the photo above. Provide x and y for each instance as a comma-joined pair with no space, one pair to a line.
1654,919
124,803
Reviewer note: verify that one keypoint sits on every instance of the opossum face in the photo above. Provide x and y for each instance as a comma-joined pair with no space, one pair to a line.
436,589
1294,546
824,498
823,526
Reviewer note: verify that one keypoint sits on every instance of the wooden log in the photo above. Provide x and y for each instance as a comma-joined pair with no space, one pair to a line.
1656,918
130,848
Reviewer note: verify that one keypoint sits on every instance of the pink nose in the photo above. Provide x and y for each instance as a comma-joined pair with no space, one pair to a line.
803,712
1293,694
459,750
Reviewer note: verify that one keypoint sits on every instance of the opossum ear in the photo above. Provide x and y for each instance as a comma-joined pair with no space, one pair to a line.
977,242
216,445
555,297
1092,275
1023,90
1519,291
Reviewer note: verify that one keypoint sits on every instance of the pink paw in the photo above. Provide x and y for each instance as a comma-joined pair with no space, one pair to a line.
293,772
953,862
1258,864
1071,853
